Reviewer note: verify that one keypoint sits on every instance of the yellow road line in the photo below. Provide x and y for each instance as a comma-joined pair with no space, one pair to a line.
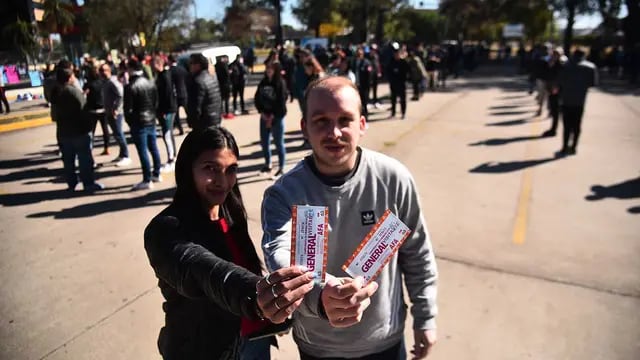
524,198
25,124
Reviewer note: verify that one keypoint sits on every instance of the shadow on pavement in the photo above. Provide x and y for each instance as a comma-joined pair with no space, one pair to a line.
513,97
629,189
505,167
160,197
503,141
43,158
504,113
508,123
27,198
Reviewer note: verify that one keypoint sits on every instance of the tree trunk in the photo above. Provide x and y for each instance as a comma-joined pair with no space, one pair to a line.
568,31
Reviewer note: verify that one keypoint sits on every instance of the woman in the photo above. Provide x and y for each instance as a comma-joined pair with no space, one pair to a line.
313,69
207,266
95,105
271,103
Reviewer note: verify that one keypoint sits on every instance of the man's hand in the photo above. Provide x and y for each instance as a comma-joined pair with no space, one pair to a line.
346,299
424,341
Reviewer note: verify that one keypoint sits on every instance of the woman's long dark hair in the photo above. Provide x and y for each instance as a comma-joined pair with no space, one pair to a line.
186,196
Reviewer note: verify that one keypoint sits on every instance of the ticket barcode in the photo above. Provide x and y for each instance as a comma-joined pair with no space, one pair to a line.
377,248
310,238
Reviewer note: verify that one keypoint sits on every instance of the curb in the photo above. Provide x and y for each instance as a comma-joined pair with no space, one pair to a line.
24,122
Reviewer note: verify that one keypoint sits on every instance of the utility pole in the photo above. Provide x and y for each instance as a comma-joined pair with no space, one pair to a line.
366,21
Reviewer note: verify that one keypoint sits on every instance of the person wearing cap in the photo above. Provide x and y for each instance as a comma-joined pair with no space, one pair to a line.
204,103
397,73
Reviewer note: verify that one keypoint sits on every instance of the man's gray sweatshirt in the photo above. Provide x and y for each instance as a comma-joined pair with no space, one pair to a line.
379,183
112,96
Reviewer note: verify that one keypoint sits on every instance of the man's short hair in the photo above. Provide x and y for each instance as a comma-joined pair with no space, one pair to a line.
64,70
332,83
200,59
134,64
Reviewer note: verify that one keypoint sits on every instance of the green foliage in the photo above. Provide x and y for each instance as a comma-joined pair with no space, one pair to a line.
414,25
22,34
58,16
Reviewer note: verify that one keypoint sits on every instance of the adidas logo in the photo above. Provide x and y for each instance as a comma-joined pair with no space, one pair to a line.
368,217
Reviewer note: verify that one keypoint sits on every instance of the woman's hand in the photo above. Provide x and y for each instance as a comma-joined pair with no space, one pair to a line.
281,292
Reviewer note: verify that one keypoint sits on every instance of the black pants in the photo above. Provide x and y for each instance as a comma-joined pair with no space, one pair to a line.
238,91
374,87
364,99
393,353
402,94
571,122
224,94
102,119
416,89
176,122
554,109
3,99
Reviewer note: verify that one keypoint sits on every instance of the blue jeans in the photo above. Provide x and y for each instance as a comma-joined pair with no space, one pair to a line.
277,129
259,349
72,147
166,122
116,127
145,139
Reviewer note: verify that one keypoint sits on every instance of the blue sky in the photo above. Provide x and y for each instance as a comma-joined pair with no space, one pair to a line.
205,9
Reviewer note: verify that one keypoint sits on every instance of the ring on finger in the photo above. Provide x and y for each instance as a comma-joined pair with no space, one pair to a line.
273,291
276,304
266,279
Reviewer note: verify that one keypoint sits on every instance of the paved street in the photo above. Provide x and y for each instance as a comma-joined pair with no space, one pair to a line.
539,257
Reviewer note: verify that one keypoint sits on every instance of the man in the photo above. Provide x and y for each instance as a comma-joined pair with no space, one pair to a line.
556,63
342,318
575,79
363,71
140,103
73,130
166,110
397,72
3,96
112,93
374,57
204,102
224,81
179,77
238,81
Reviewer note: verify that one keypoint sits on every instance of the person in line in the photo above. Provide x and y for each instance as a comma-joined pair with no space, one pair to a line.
575,80
204,101
207,267
166,110
342,318
271,103
179,77
224,81
140,104
374,57
363,72
397,72
95,105
112,94
73,130
556,63
238,82
3,96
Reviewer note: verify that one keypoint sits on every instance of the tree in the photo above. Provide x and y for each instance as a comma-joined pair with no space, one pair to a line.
571,8
313,13
22,35
126,18
58,16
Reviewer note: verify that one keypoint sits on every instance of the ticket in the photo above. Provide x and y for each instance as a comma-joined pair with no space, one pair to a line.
377,248
310,238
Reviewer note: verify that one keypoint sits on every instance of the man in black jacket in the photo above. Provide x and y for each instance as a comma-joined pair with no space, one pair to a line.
397,72
73,129
224,82
363,70
204,102
140,103
238,81
179,76
167,108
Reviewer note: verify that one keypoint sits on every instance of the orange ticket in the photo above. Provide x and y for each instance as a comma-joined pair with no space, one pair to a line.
310,238
377,248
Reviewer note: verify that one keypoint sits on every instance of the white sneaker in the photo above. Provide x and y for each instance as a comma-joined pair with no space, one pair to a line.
377,105
156,179
168,167
125,161
142,186
237,113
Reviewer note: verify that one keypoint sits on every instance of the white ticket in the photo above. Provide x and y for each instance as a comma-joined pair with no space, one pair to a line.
310,238
377,248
